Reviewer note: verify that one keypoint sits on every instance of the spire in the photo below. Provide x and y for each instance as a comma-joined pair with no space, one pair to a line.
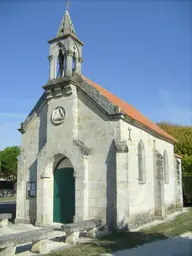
66,26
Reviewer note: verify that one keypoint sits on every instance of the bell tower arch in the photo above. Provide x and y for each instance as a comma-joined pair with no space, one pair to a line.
65,50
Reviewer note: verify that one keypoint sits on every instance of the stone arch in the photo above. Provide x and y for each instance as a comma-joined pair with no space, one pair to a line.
166,167
141,162
75,50
59,46
54,160
63,190
57,155
75,57
47,161
64,163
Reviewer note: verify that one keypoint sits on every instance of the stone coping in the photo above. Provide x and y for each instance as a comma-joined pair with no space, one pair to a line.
4,216
25,237
81,226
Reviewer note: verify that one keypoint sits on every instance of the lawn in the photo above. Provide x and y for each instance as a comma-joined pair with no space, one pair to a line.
11,198
125,240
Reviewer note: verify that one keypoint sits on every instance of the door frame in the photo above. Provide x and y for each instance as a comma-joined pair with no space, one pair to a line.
45,173
72,192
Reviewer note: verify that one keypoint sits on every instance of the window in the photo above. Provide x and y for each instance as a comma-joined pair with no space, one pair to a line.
178,171
74,63
166,167
141,163
60,64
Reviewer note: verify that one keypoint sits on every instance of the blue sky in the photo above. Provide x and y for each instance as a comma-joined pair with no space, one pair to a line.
138,50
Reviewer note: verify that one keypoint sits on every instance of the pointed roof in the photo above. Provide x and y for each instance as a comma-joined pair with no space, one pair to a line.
66,26
130,111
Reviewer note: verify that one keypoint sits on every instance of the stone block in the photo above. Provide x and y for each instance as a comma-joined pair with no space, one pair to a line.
4,223
92,202
72,238
140,219
104,228
9,251
25,237
97,193
103,233
97,212
81,226
105,254
40,247
92,233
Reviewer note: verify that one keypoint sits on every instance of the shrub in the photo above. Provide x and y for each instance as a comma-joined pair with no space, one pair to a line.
187,178
184,148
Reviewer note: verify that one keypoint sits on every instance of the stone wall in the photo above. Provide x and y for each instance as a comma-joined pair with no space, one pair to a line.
60,143
103,153
178,183
141,196
98,133
33,140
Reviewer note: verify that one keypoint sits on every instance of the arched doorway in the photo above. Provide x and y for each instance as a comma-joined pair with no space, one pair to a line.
63,192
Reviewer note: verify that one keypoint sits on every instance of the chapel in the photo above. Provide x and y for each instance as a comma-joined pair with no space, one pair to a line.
87,154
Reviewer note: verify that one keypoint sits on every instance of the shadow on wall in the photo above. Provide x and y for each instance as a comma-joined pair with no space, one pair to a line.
33,168
111,211
43,127
32,201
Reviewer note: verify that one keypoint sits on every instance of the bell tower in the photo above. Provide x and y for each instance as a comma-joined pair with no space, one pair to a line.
65,54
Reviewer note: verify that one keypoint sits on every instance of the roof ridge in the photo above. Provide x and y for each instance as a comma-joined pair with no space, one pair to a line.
129,110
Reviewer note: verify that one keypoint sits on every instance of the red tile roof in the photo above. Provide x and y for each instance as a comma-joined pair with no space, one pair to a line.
129,110
178,156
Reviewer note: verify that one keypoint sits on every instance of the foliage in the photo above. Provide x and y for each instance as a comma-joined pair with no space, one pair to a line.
183,134
187,166
8,162
187,178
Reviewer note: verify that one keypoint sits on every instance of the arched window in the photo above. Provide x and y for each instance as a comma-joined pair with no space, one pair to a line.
177,166
166,167
141,163
74,63
60,64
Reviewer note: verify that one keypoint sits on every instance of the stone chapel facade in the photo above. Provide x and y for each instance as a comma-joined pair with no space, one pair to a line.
87,154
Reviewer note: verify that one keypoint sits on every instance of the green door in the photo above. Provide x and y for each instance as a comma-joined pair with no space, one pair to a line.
64,196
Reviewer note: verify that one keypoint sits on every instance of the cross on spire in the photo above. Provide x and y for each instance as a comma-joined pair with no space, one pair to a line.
67,6
66,26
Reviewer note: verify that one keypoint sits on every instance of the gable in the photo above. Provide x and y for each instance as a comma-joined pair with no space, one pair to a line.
113,105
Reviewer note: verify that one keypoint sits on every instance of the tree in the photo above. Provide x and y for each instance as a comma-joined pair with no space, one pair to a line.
184,148
8,162
183,134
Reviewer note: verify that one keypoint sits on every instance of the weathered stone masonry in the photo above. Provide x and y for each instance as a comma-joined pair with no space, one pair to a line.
77,121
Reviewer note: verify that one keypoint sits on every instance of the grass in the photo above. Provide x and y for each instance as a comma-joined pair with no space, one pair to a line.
12,198
182,224
125,240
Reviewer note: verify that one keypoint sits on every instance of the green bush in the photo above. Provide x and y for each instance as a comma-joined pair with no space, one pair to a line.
8,162
187,178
